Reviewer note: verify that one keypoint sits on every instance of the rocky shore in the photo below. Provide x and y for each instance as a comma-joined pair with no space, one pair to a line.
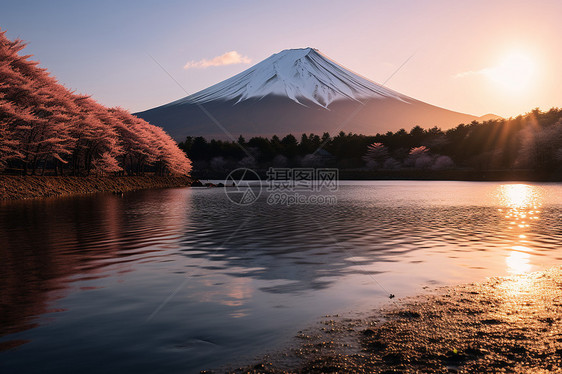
28,187
510,324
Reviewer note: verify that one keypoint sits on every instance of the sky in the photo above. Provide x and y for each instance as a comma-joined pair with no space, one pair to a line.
475,57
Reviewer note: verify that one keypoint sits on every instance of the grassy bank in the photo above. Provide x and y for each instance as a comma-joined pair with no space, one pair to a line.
511,324
28,187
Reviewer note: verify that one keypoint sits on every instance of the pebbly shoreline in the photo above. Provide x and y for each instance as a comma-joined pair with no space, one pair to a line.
509,324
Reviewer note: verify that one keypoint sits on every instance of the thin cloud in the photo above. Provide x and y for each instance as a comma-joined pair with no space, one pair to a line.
229,58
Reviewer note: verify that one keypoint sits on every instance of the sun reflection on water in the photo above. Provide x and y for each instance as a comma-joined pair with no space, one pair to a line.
521,205
518,196
518,260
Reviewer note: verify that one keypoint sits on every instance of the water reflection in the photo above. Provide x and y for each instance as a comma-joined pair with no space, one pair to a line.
519,196
47,245
97,267
521,204
518,260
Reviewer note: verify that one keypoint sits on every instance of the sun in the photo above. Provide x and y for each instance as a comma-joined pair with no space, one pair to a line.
515,73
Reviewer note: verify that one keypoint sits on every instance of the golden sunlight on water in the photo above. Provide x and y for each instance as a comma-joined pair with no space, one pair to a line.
518,260
521,206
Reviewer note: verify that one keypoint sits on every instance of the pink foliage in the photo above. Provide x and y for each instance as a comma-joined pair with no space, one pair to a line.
8,143
443,162
419,151
105,164
43,123
419,158
376,155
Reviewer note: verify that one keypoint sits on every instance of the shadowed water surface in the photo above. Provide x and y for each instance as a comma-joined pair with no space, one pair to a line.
181,280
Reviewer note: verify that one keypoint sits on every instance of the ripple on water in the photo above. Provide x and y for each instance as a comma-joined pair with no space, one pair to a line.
237,278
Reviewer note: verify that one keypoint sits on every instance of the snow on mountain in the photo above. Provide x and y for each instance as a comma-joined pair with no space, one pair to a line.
298,74
296,91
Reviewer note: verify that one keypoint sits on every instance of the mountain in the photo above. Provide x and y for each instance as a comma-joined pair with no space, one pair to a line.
489,117
297,91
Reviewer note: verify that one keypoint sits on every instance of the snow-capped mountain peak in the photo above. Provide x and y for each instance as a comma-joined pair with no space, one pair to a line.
303,75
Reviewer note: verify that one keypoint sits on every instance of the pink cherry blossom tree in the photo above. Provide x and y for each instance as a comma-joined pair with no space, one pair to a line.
43,123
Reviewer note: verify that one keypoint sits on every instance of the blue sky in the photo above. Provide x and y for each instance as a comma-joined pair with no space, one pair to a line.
103,48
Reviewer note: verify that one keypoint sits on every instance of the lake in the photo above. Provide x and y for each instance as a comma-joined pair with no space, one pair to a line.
180,280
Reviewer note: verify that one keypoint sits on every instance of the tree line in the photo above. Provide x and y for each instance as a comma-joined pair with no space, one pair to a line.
44,127
531,141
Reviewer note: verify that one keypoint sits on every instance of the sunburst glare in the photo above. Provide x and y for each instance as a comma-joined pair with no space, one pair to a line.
515,73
